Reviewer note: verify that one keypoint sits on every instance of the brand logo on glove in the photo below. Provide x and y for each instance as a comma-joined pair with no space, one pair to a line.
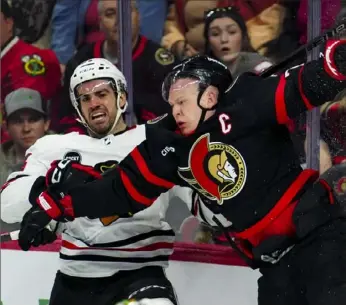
44,203
215,170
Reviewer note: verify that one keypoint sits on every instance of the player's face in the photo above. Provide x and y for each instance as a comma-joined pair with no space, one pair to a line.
25,127
97,101
225,39
183,98
109,22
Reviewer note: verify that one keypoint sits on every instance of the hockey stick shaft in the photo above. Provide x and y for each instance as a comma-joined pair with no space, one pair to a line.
9,236
304,49
14,235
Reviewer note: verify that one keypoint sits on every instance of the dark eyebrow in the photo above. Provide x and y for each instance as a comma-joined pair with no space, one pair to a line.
110,10
216,27
101,90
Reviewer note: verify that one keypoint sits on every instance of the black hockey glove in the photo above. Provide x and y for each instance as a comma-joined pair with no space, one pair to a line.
48,197
33,228
34,231
63,176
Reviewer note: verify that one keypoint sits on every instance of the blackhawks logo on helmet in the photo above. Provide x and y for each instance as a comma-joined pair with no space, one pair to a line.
215,170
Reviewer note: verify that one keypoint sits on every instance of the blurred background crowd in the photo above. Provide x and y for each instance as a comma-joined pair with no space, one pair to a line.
43,41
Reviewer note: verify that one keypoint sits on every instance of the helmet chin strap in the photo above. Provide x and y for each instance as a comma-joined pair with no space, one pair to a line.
120,111
204,110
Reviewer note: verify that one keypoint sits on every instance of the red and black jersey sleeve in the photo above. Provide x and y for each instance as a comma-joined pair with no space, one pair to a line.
147,172
280,98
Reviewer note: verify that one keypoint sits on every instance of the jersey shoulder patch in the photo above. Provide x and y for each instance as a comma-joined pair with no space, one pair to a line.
164,57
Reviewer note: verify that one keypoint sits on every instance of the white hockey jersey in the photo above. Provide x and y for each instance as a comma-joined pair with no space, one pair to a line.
94,247
197,207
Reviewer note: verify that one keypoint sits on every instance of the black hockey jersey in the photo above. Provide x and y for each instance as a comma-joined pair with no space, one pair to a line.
241,160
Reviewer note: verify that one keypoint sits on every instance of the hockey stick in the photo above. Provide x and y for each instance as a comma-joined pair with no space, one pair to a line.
9,236
304,49
14,235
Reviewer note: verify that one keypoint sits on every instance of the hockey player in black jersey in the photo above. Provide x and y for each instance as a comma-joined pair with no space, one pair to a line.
230,144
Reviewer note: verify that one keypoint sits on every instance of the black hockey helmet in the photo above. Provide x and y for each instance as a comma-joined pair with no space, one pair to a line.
206,70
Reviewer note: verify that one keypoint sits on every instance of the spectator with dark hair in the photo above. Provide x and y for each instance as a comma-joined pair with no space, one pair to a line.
184,25
33,18
23,65
150,63
26,121
227,40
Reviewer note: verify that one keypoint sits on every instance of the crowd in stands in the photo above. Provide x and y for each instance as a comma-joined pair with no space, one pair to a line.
43,41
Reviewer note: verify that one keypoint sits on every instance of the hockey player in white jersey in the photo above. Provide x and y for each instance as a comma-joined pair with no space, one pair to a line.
102,261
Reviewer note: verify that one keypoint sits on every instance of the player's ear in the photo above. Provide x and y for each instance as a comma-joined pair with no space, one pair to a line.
211,95
123,99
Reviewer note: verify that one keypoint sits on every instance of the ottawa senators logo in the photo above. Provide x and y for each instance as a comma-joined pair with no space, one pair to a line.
215,170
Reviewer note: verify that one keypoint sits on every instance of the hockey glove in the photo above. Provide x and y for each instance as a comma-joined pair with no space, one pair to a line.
335,59
33,230
66,174
61,177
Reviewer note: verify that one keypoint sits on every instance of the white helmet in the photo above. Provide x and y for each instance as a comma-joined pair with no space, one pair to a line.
97,68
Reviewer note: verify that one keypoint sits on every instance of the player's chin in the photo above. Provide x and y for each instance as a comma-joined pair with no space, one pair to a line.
186,131
101,129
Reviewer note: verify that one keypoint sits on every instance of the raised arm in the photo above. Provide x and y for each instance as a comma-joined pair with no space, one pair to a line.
277,99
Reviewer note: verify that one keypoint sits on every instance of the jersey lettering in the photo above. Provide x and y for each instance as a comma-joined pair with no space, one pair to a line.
224,122
167,150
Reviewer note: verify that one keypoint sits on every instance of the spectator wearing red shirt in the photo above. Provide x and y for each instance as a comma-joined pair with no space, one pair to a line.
23,65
